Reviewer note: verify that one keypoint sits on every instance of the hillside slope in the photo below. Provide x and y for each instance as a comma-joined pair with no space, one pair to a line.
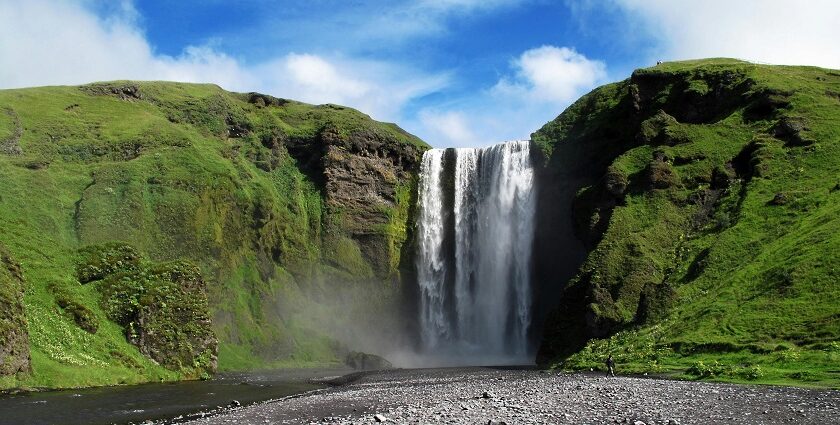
113,193
707,195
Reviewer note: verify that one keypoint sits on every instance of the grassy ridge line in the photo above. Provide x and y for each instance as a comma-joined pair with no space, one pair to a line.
180,171
712,223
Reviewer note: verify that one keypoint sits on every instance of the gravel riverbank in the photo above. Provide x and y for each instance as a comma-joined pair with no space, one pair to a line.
486,396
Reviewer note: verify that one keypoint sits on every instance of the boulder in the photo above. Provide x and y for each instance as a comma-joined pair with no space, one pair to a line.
364,361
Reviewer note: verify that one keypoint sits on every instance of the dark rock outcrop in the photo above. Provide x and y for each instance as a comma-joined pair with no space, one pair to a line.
14,337
364,361
367,178
128,92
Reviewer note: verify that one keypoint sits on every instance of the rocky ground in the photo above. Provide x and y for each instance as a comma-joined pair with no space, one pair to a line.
496,396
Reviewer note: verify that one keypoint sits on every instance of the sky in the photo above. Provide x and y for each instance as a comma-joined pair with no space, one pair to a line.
454,72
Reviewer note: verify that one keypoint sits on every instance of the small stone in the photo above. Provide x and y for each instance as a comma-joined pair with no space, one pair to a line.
487,395
639,423
673,422
235,403
379,418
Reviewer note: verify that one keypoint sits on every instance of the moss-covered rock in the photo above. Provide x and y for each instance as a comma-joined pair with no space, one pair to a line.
173,324
289,210
729,168
98,261
81,315
14,337
162,308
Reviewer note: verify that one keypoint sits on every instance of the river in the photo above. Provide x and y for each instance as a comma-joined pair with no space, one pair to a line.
139,403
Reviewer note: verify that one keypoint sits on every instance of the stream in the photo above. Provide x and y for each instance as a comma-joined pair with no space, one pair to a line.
158,401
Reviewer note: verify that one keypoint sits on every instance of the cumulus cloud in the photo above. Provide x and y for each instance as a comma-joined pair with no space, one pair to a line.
541,83
551,74
63,42
775,31
377,88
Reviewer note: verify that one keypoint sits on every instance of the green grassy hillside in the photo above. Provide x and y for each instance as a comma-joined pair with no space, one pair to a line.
259,193
710,210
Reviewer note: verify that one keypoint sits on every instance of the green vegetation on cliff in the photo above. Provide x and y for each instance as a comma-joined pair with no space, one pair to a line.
289,212
14,336
709,205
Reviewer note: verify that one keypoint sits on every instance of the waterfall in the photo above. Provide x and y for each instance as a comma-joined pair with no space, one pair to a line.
475,231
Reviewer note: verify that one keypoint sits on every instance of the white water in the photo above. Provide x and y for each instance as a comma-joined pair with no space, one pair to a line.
475,296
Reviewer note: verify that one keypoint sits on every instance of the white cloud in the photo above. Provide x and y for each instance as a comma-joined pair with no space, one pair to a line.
61,42
773,31
376,88
400,21
450,128
543,81
551,74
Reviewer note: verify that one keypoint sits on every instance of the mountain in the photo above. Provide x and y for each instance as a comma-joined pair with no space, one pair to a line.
704,199
158,231
687,222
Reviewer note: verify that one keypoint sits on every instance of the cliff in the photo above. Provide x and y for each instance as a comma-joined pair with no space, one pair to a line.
704,197
277,228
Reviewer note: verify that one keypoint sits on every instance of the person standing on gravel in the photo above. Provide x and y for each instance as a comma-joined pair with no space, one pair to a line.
610,366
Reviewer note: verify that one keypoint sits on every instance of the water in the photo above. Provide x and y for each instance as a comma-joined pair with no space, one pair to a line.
138,403
475,235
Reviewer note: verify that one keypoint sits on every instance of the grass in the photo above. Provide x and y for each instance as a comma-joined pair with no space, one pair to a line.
728,271
180,172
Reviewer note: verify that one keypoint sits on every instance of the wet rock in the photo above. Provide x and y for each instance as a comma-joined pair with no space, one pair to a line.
364,361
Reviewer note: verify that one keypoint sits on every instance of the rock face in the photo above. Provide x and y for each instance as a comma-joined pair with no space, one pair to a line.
287,209
369,181
14,338
669,179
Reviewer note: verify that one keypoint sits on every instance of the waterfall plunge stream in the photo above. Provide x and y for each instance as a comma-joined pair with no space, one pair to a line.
475,231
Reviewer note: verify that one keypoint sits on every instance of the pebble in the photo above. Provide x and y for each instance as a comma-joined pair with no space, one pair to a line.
529,397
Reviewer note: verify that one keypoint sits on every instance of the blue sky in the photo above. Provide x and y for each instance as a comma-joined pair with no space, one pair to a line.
454,72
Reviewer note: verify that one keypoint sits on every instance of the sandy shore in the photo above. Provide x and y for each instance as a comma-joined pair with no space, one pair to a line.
487,396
